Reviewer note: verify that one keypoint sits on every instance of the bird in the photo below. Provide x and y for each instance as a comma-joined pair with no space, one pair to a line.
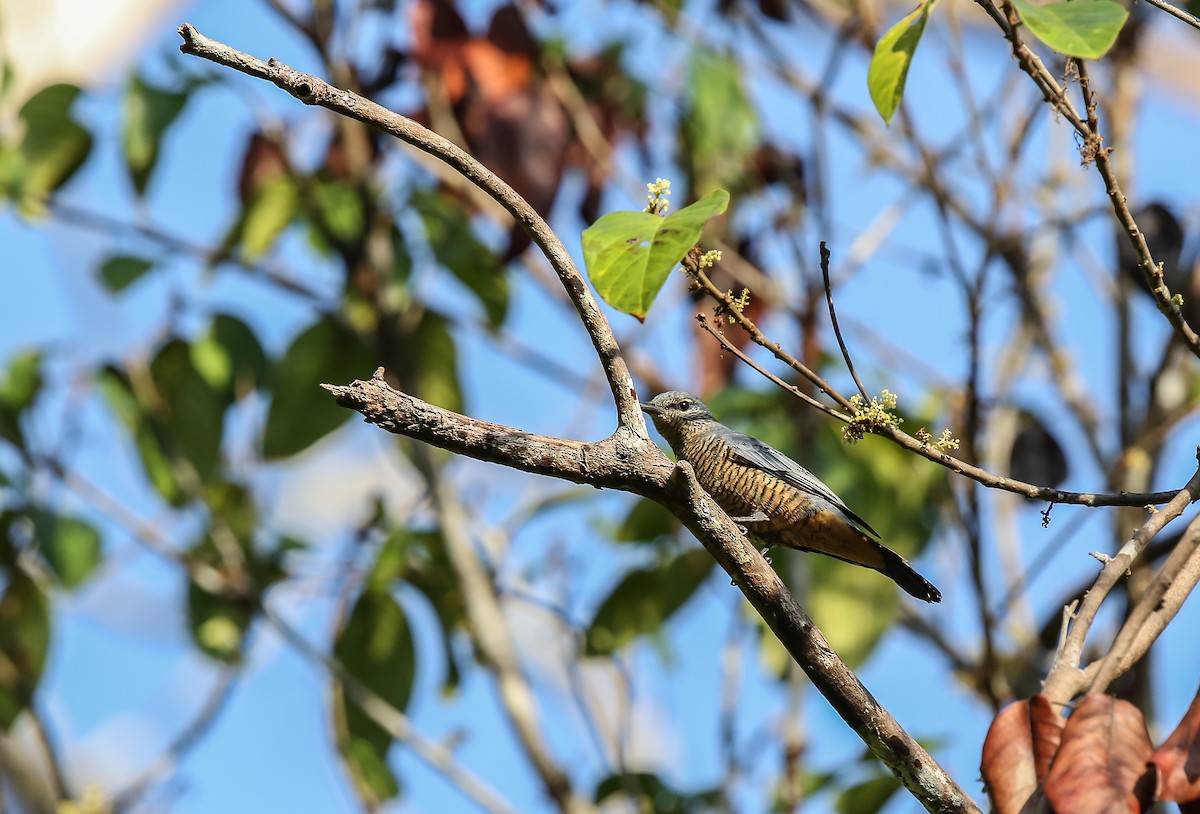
776,500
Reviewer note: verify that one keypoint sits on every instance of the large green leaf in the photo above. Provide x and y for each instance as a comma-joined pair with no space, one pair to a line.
301,413
270,210
376,646
190,412
893,56
720,128
24,642
644,599
147,435
149,111
455,246
436,359
630,254
230,358
54,144
1079,28
646,522
70,545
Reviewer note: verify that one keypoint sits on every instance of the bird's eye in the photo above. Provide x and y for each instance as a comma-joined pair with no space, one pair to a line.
686,404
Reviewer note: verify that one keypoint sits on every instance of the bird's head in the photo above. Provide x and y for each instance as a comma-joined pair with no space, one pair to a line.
673,411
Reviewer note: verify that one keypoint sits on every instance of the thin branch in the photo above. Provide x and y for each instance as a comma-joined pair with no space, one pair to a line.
768,375
910,443
1153,612
837,330
1066,679
1175,12
314,91
393,721
1093,150
170,759
493,639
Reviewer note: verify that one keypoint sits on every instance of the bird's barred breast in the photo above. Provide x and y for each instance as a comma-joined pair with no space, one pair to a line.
742,490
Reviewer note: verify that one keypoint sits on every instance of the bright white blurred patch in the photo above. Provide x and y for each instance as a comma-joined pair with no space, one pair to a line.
653,742
115,752
77,41
329,488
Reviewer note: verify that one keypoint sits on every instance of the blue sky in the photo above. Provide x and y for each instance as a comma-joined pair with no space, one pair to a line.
124,677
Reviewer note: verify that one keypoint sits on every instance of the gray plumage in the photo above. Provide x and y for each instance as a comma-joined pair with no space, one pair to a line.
776,499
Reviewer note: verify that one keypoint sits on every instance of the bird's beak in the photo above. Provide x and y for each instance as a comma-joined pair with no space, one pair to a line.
647,407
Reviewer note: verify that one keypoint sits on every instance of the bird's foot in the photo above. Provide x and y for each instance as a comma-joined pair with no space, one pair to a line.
756,518
764,551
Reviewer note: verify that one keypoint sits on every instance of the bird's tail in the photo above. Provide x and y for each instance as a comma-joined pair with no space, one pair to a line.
904,575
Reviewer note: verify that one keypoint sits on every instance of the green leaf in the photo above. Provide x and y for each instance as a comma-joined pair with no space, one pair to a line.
644,599
54,144
376,646
118,391
426,567
71,546
454,244
893,55
1079,28
122,270
272,209
656,795
867,797
24,642
630,254
646,522
230,358
18,389
720,129
301,413
340,209
436,360
149,111
189,412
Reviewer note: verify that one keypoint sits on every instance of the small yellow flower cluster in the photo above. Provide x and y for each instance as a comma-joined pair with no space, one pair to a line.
946,441
739,303
656,196
710,258
871,417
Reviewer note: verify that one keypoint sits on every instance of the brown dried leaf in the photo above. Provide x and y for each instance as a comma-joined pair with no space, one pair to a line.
1007,764
1047,734
1178,759
1102,764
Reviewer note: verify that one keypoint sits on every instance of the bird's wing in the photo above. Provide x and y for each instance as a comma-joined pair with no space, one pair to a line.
750,451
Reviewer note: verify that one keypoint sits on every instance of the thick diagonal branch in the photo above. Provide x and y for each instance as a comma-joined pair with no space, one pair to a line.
628,463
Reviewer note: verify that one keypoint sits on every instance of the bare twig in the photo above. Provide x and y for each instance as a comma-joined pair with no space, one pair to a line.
315,91
393,721
1154,610
1066,679
908,442
169,760
1175,12
493,640
837,330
